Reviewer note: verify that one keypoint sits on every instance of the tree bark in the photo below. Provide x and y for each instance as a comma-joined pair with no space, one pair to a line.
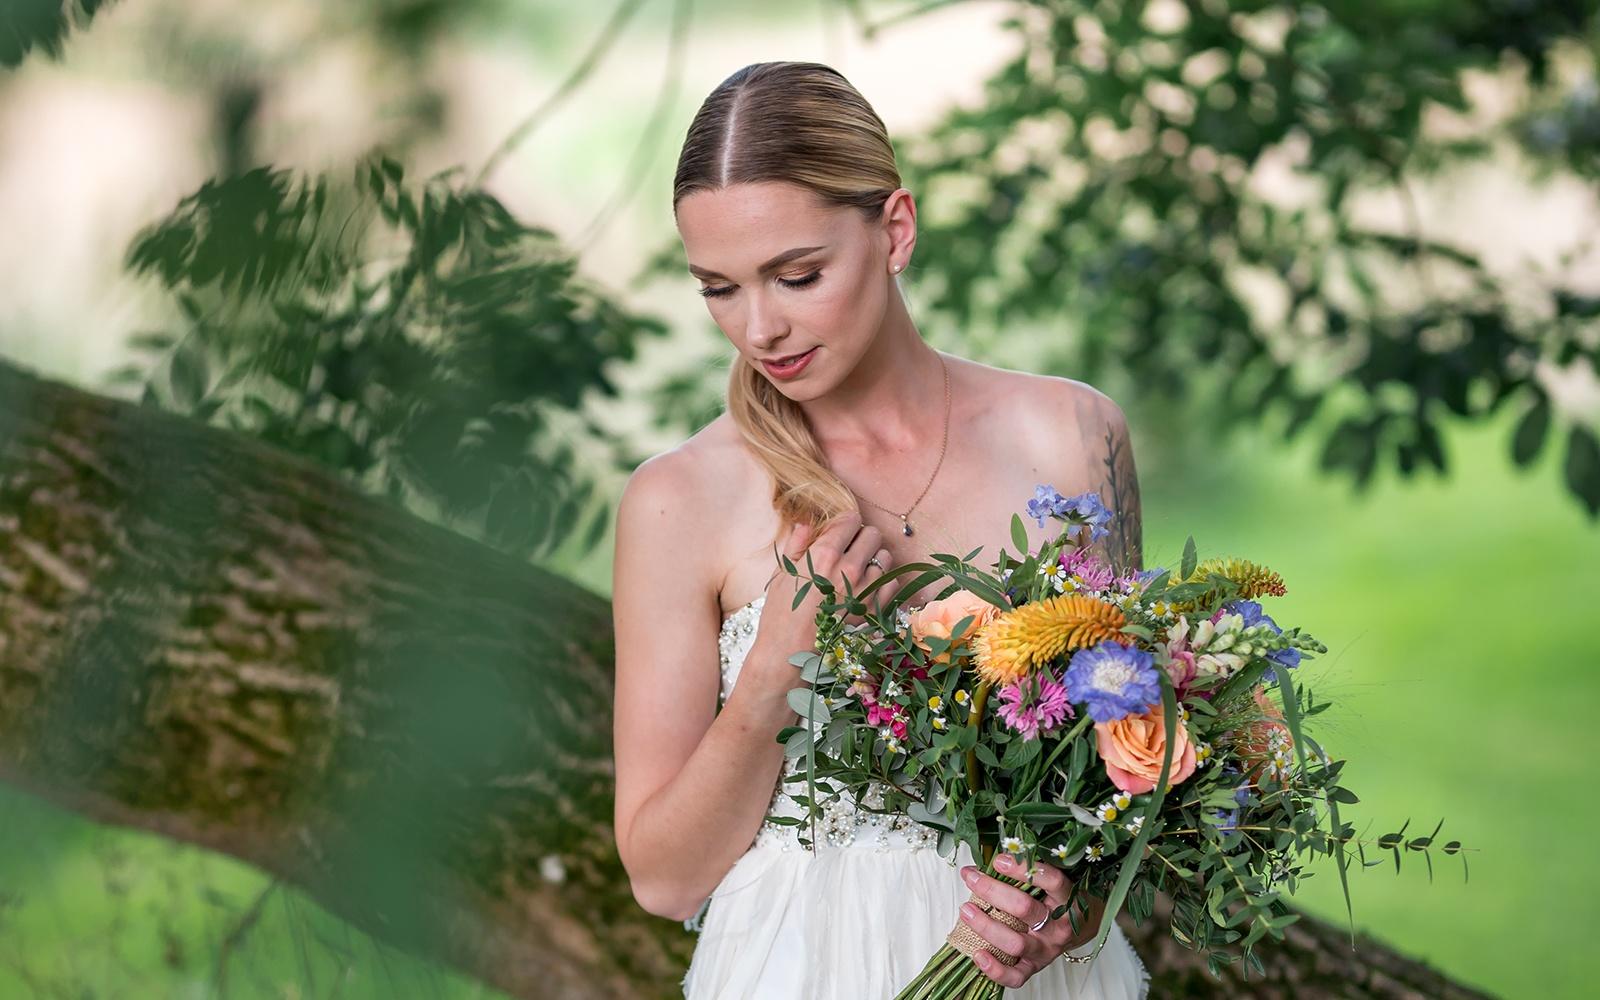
211,639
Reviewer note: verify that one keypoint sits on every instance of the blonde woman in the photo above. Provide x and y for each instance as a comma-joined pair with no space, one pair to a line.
848,437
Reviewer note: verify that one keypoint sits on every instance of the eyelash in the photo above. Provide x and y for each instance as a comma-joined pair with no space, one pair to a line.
717,293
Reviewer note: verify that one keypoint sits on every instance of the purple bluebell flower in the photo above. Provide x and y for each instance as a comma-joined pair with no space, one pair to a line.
1227,821
1047,503
1088,506
1115,681
1252,614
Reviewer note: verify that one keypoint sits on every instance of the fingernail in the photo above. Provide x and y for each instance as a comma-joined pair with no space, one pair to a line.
1003,861
970,875
969,911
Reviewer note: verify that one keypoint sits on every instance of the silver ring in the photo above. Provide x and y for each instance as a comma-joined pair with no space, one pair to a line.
1042,922
874,562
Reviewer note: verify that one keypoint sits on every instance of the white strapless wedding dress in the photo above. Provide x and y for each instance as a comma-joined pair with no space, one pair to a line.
858,916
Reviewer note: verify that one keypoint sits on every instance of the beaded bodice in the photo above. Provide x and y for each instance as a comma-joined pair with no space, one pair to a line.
843,823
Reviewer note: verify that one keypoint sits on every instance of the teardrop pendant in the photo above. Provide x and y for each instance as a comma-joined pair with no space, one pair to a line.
906,529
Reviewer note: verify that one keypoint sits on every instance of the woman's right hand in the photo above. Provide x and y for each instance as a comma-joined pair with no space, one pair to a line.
841,552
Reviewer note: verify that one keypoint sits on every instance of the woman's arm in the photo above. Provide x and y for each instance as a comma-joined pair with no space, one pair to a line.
693,784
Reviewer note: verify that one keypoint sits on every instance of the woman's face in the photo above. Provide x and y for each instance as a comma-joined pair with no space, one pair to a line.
826,302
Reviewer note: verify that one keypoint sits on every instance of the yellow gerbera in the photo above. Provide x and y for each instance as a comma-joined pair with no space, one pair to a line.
1016,642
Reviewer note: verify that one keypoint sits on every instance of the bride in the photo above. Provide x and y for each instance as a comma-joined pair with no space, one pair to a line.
847,437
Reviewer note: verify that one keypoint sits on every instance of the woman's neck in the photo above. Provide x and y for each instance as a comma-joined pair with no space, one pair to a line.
893,401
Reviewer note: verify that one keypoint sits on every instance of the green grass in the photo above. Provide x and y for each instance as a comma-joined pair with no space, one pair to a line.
96,912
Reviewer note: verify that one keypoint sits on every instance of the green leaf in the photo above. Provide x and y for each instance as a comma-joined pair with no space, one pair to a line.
1019,534
1130,862
1190,559
1583,467
1531,431
188,374
804,701
1038,811
922,814
796,745
1019,752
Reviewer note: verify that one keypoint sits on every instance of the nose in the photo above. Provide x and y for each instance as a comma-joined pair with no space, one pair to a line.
764,324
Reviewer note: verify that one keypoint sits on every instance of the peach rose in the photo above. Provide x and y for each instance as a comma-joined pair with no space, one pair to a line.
936,618
1132,749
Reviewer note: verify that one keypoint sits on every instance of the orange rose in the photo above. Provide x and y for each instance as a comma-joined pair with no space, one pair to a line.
1132,750
936,618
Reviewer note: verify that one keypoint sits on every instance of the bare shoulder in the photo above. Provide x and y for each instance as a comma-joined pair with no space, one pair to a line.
682,505
1043,402
1078,438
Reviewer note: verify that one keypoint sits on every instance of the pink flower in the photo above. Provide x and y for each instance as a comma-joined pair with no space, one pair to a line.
1035,702
1094,573
1181,665
865,690
899,728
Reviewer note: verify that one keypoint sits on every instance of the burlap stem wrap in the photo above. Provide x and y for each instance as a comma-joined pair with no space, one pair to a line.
966,940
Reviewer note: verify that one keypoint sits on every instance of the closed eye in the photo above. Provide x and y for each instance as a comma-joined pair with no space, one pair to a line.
717,293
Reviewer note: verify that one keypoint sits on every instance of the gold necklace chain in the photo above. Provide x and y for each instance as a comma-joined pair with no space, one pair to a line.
905,525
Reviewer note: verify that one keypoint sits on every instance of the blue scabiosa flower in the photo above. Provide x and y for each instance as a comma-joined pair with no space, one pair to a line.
1115,681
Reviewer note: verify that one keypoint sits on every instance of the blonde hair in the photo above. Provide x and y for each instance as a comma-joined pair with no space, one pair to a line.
803,123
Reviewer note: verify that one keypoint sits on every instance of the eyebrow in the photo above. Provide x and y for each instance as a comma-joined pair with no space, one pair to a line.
767,268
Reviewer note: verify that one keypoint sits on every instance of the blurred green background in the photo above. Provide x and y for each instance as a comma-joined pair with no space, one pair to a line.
1451,588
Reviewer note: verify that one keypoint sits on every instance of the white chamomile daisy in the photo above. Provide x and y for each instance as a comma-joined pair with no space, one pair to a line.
938,723
1060,852
1107,812
1133,825
1093,853
1161,609
961,698
1011,845
1055,571
1202,753
936,703
1122,800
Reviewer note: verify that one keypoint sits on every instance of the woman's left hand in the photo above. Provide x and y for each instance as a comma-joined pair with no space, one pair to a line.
1034,949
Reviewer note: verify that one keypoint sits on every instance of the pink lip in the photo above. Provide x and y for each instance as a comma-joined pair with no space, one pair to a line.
792,369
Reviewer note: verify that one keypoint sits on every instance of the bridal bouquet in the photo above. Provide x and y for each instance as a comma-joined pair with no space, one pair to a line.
1141,729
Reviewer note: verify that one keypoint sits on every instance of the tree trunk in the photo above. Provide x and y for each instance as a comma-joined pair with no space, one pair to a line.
208,638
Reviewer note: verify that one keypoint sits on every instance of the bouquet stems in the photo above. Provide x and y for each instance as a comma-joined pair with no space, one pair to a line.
950,974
